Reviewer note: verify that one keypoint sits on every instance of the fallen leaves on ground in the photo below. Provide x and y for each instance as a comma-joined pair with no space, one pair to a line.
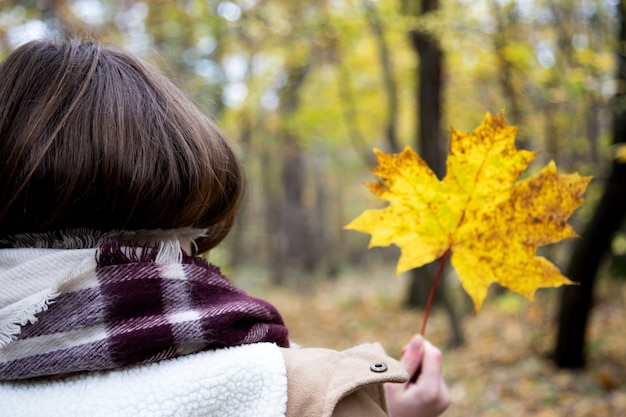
501,371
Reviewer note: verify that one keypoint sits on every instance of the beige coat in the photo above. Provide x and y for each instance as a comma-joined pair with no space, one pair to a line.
249,380
328,383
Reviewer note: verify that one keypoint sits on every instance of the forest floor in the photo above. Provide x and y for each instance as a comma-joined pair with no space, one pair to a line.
501,369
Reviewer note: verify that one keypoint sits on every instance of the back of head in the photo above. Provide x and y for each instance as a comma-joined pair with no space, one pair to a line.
92,137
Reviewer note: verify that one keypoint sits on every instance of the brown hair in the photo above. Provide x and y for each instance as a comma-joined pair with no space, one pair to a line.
92,137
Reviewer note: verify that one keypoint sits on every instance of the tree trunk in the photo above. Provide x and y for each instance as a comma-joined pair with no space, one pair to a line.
577,301
429,106
299,248
292,248
429,85
504,17
391,88
428,117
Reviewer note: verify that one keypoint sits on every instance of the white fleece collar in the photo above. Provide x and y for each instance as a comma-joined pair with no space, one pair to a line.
244,381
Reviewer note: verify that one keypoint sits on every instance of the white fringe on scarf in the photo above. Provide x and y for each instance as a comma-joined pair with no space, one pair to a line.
32,272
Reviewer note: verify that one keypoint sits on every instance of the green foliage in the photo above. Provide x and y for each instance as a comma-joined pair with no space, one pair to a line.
310,72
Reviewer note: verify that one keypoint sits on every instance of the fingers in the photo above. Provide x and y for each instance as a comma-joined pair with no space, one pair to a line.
425,395
431,365
412,355
430,386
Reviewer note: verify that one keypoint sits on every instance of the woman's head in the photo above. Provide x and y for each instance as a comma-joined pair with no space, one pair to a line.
92,137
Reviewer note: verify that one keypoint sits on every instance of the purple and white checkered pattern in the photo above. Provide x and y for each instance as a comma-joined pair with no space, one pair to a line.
135,310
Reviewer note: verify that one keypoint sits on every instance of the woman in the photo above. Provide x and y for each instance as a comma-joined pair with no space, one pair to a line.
111,183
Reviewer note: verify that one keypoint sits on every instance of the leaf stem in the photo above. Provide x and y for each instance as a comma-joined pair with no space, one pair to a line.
433,288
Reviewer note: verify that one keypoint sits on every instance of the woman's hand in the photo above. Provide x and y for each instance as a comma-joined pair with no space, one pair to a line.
425,395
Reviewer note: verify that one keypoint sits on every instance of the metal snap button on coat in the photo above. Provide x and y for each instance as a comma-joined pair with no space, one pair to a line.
378,367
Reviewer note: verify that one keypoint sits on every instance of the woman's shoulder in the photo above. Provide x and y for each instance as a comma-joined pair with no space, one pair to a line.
326,382
259,379
243,381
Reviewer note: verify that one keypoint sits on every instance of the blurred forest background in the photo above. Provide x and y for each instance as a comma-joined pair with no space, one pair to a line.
307,88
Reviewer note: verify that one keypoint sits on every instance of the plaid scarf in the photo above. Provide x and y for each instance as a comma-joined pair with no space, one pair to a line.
133,305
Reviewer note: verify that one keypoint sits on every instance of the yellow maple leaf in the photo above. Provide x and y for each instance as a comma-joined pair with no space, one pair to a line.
491,223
